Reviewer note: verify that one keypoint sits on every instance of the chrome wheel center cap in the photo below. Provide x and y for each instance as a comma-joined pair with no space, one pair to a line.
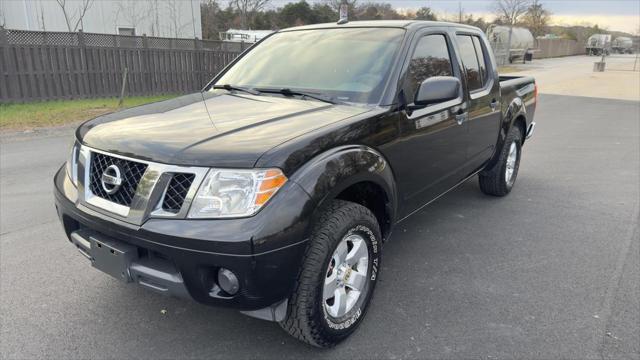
343,273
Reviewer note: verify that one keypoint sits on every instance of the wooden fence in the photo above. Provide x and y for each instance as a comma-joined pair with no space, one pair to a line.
36,65
558,47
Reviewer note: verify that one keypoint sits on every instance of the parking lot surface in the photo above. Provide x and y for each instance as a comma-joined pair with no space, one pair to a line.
573,75
551,271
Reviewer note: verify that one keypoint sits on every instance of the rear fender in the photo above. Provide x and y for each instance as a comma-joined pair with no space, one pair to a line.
514,110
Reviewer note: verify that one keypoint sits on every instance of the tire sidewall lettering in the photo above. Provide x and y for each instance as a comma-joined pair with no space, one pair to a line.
373,245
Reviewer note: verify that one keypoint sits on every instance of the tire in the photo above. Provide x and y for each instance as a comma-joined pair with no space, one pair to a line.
309,317
496,181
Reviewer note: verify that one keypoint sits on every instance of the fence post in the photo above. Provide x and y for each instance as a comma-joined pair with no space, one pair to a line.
4,82
12,79
84,66
124,86
146,61
4,38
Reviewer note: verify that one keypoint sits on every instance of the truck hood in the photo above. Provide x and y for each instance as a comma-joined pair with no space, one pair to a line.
209,129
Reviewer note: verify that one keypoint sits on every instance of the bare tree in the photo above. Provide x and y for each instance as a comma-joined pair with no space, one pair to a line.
2,18
131,11
537,18
247,9
175,17
510,11
154,12
76,15
41,22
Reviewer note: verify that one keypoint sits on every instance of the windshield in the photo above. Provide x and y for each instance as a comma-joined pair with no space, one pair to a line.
349,64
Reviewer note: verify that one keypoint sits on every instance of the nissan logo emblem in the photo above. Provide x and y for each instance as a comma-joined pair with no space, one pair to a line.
111,179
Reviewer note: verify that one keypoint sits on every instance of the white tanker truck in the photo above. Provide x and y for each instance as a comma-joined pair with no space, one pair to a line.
598,44
622,45
522,41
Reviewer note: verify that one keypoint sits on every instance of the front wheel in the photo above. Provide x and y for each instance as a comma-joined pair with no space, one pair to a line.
500,179
338,275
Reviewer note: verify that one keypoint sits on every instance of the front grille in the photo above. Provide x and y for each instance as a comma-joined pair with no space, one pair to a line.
131,173
177,192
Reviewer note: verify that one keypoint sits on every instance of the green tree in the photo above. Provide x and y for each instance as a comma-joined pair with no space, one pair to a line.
295,14
376,11
477,22
324,13
425,13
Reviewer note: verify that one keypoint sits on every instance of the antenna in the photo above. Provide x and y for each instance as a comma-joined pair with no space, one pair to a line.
344,13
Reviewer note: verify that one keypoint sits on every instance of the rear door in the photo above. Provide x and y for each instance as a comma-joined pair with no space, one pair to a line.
431,150
483,117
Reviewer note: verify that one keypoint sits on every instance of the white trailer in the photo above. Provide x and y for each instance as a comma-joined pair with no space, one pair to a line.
622,45
247,36
598,44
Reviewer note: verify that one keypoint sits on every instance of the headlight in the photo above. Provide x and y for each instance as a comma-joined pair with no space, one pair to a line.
72,164
235,193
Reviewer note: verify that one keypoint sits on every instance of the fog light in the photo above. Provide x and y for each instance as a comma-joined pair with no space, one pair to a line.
228,281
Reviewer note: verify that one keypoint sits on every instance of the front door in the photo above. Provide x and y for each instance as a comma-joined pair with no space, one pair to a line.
484,99
432,147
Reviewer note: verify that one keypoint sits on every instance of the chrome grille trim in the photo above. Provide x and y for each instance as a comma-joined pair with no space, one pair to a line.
132,172
148,198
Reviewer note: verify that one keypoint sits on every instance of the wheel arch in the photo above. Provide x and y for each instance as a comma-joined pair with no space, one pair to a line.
515,115
355,173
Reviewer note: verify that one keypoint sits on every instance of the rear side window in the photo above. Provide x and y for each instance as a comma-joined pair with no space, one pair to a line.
430,58
481,60
470,61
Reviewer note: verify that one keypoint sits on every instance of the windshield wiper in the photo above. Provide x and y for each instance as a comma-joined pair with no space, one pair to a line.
229,87
289,92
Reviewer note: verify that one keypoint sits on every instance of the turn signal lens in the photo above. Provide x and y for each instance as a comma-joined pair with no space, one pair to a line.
274,179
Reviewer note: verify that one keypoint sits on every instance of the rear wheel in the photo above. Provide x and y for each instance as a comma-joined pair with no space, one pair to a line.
500,179
338,275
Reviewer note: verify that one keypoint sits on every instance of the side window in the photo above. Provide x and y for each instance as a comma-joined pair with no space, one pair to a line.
470,62
430,58
481,60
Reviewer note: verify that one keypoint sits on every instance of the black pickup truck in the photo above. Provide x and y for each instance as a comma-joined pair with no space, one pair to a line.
273,190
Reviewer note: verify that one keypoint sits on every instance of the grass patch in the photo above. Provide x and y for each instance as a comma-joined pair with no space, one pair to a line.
61,112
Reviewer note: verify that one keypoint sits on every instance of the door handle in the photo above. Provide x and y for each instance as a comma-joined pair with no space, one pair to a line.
461,117
494,104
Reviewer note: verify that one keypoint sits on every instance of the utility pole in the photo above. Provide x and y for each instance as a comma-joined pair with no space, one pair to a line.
460,12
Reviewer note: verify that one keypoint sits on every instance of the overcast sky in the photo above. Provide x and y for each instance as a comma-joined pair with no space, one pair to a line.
623,15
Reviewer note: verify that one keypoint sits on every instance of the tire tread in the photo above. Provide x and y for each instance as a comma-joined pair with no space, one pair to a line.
302,303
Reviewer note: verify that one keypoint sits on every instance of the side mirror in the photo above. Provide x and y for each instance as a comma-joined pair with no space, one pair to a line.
437,89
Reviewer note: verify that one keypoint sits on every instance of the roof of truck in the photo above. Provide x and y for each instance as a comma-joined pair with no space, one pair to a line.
381,23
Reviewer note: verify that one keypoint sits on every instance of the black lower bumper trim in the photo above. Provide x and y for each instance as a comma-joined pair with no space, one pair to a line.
123,262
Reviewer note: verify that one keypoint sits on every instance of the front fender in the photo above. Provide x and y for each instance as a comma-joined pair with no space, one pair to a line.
329,173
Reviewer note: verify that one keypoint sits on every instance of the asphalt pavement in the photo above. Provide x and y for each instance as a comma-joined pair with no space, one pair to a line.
551,271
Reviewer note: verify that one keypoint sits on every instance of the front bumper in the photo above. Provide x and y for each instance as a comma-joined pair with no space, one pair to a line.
181,257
